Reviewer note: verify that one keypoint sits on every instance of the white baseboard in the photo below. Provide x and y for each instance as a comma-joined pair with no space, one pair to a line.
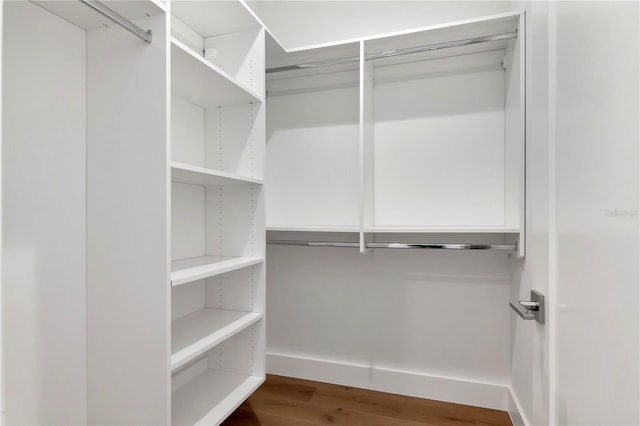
515,410
479,394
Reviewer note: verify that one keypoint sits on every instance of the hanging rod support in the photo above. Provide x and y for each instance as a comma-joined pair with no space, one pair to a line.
432,246
390,53
119,19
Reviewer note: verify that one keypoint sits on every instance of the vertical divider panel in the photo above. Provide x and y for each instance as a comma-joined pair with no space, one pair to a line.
127,226
366,145
522,157
168,201
2,422
515,151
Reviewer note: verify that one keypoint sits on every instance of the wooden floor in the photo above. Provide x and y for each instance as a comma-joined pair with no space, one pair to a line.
283,401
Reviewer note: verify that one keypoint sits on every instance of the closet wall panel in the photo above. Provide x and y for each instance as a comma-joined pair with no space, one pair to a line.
439,150
44,187
424,314
127,226
312,137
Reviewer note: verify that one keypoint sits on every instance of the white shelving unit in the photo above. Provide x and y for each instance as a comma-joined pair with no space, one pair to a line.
422,141
218,227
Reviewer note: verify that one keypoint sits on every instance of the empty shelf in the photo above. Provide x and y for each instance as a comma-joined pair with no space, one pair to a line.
211,397
197,268
196,333
194,175
202,83
444,229
209,18
314,228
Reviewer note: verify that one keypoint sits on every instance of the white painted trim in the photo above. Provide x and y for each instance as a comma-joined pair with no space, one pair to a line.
411,383
515,411
2,411
552,306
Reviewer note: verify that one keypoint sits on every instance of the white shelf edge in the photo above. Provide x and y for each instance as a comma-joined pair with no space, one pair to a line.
211,269
199,347
223,407
402,229
215,69
159,5
444,230
347,229
206,173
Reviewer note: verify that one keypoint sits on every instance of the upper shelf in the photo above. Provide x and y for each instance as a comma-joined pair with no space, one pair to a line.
443,230
401,229
394,48
444,41
194,175
210,18
88,19
349,229
202,83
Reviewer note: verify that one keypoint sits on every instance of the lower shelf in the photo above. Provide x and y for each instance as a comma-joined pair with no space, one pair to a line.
211,397
196,333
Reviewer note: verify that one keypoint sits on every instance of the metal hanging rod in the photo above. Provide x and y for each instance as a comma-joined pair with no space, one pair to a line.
433,246
119,19
390,53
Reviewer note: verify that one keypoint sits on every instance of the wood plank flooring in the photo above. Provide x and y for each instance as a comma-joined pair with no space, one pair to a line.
284,401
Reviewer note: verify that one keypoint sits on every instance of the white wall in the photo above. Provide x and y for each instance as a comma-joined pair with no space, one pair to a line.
44,197
425,315
595,66
305,23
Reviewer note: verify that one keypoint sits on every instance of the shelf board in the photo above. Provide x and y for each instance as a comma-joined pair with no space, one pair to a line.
194,175
196,333
88,19
350,229
443,230
202,83
402,229
210,18
442,33
211,397
196,268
